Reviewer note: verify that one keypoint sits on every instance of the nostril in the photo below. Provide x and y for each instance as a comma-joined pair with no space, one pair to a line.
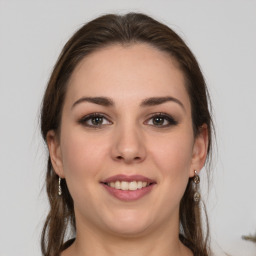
137,158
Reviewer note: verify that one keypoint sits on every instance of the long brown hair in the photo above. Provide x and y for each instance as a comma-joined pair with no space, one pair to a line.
121,29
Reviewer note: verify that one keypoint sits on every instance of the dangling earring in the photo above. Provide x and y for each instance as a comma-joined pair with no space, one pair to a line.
196,180
60,190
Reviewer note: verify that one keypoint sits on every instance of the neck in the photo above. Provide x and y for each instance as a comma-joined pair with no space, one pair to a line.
90,241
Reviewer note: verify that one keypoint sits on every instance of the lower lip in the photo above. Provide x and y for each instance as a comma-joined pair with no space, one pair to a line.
128,195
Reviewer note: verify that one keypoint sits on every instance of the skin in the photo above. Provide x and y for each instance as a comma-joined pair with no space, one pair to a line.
127,142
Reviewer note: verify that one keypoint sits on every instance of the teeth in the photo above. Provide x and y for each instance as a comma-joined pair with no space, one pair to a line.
124,185
133,185
117,185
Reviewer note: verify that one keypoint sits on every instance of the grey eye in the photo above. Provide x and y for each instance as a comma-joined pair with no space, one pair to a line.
94,120
158,120
98,120
162,120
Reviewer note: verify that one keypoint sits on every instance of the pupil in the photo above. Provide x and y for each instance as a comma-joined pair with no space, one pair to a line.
97,120
158,120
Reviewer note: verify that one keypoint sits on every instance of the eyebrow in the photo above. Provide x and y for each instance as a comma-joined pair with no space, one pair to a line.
160,100
107,102
103,101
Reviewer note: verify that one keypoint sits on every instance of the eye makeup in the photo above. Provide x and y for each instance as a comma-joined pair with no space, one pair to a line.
162,120
94,120
99,120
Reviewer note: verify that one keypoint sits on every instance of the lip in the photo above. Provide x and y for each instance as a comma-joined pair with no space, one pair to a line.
128,195
130,178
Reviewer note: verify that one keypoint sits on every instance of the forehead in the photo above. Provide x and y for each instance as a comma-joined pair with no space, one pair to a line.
131,71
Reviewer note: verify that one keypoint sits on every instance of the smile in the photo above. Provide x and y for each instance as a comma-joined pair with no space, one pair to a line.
124,185
128,188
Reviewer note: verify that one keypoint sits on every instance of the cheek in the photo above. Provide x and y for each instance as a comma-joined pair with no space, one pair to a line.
83,160
81,154
174,156
173,160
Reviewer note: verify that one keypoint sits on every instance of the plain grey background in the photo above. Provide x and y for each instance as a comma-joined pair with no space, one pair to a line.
222,35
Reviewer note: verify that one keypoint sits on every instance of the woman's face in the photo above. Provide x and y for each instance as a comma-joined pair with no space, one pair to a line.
126,146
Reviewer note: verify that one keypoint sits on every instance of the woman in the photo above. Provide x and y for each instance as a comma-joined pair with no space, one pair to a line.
126,120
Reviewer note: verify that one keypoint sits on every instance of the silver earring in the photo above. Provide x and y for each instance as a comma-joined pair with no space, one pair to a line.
196,180
60,190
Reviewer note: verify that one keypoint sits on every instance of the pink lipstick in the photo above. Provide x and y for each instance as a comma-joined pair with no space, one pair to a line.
128,188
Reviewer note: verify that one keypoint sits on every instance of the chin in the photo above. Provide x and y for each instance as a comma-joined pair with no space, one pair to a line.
129,224
127,231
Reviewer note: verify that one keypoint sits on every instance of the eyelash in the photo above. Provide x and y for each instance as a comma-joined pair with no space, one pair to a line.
85,119
171,121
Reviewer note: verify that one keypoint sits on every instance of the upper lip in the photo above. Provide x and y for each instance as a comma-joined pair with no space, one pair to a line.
128,178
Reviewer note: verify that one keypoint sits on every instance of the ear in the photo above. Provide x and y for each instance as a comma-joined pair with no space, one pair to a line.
199,150
55,152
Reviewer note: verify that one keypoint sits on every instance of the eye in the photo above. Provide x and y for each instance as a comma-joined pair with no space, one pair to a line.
161,120
94,120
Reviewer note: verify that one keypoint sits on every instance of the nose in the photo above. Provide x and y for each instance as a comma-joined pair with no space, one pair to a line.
128,145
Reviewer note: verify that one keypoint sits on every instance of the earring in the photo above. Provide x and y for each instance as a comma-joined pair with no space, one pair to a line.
60,190
196,180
